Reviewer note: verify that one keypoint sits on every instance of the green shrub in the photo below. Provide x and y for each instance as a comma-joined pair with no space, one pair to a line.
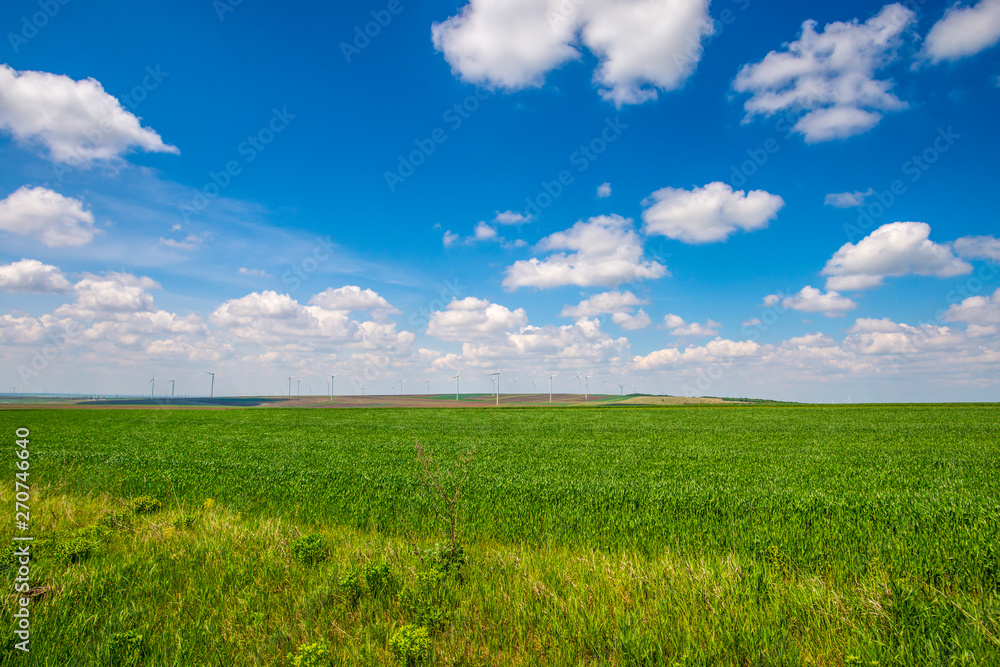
120,520
183,520
350,588
410,644
144,505
311,548
378,578
426,599
126,648
447,559
94,532
311,655
75,549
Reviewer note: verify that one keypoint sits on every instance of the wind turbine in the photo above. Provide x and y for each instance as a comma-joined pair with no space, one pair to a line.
533,388
152,390
172,389
298,386
400,386
515,384
428,387
579,376
551,375
622,388
631,390
497,374
362,390
333,376
604,383
458,383
586,386
211,393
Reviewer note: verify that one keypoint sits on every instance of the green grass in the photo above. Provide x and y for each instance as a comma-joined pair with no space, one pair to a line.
752,535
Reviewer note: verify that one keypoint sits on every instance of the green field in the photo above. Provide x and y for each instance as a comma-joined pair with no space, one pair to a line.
731,535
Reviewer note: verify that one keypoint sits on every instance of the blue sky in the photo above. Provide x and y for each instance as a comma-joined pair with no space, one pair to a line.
796,198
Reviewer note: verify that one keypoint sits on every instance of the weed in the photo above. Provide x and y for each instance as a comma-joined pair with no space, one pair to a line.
311,548
410,645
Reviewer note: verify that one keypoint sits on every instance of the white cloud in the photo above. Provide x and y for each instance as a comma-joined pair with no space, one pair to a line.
484,232
511,218
254,273
964,31
449,239
678,327
110,295
473,319
847,199
76,121
604,190
607,252
351,297
642,46
829,76
707,214
977,247
811,300
30,275
48,216
894,249
976,310
720,350
190,242
619,305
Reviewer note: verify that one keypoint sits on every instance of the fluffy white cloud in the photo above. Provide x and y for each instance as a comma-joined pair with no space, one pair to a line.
472,319
847,199
606,251
642,46
678,327
604,190
76,121
707,214
30,275
978,247
976,310
99,297
511,218
351,297
619,305
484,232
449,239
715,352
895,249
830,76
812,300
964,31
47,216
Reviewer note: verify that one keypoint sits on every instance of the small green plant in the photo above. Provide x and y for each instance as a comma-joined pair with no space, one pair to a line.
350,587
311,655
425,599
410,644
126,648
311,548
119,520
94,532
183,520
448,559
75,549
378,578
144,505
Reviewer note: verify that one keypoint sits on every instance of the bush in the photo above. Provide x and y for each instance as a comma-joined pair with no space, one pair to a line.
350,588
425,599
126,648
120,520
448,559
144,505
378,578
76,549
310,548
410,644
311,655
182,521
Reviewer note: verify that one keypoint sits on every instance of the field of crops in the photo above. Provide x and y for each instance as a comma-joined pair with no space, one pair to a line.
846,493
828,488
